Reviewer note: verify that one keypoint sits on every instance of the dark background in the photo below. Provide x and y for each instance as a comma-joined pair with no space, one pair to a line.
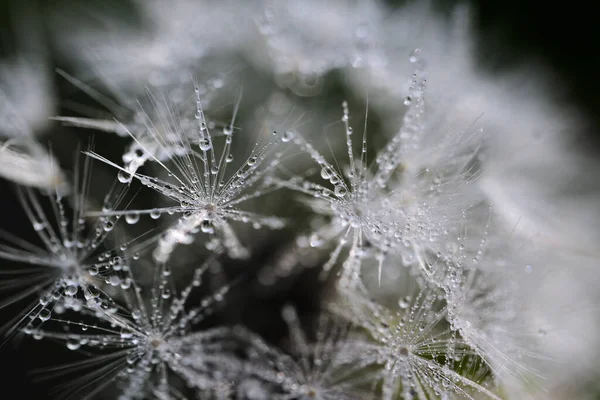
562,36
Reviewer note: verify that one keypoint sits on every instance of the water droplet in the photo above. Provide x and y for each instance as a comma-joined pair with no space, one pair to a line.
92,292
126,335
124,176
155,214
44,314
205,144
113,280
315,241
45,299
71,290
73,344
108,226
125,283
132,219
404,302
229,158
340,191
252,160
206,227
326,173
287,136
414,55
407,101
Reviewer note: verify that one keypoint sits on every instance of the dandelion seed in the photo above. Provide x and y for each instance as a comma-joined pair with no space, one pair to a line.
420,355
413,201
146,345
71,261
207,194
313,369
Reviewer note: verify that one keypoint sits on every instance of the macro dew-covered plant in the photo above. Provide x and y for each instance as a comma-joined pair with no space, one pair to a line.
221,247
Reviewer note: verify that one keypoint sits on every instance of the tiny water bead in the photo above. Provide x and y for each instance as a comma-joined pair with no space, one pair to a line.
73,344
124,177
71,290
227,130
109,226
44,314
404,302
205,144
155,214
340,191
326,173
45,299
207,227
132,218
287,136
414,55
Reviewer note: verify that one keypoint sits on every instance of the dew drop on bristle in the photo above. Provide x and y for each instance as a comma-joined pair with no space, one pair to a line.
205,144
340,191
44,314
325,173
124,177
155,214
414,55
108,226
73,344
71,290
287,136
132,219
206,227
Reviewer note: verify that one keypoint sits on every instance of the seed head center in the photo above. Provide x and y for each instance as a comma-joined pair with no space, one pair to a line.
403,352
